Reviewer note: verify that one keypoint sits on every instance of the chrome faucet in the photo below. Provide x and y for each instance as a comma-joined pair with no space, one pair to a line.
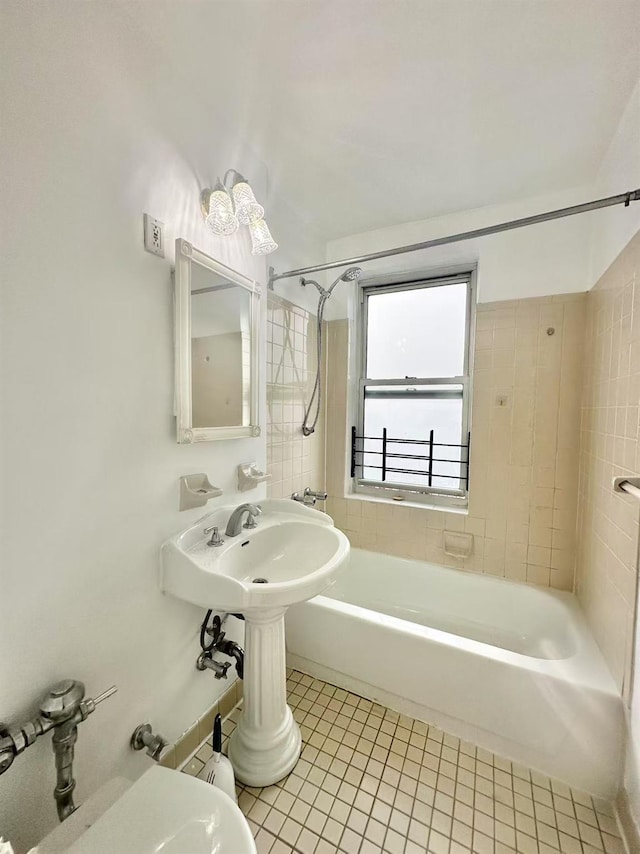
234,525
309,497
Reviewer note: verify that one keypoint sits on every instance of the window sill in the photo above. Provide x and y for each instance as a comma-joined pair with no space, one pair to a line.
418,505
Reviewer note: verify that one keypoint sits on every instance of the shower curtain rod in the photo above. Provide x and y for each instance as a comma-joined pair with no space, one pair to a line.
622,198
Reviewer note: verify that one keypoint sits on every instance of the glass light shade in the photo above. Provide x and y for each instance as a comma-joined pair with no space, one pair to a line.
247,208
221,218
220,201
261,241
222,224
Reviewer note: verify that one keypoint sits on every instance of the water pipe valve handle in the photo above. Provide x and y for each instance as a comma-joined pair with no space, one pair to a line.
321,496
143,736
66,698
89,705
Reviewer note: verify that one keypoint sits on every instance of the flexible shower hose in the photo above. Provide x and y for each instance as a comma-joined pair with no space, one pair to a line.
316,394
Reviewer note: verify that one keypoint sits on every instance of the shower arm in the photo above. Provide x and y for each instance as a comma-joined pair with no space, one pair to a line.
621,199
322,291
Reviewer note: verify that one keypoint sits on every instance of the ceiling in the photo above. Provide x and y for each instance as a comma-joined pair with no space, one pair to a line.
375,112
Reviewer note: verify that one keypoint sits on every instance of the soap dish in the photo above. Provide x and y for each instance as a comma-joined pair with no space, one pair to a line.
196,490
249,476
457,544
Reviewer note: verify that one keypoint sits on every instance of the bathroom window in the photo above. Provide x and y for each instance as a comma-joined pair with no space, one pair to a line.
412,435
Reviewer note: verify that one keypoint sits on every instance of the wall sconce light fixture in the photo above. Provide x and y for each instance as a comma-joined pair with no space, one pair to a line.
225,211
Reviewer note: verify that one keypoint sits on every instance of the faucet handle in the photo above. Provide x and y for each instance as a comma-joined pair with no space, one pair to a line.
254,511
216,539
321,496
309,497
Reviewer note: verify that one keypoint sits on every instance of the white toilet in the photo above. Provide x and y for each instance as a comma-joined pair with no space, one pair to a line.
163,812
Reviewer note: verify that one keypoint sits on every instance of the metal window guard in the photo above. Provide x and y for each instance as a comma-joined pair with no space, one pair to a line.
429,458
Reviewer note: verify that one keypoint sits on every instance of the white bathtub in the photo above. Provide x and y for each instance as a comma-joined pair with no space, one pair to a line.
508,666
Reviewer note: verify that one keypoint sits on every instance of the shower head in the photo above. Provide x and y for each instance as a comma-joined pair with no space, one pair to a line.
350,274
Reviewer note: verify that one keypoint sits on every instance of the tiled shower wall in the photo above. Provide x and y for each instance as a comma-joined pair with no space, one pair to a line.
607,567
294,461
524,455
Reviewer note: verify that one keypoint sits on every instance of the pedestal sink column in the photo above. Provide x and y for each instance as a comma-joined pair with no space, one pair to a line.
265,745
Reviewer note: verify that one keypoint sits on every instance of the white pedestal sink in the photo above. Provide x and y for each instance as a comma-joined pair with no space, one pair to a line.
296,552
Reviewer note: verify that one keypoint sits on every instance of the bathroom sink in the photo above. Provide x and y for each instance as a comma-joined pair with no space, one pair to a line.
292,554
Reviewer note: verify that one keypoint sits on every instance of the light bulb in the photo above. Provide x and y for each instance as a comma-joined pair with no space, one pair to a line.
261,241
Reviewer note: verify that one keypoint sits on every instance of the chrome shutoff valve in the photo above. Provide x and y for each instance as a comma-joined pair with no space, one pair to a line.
143,736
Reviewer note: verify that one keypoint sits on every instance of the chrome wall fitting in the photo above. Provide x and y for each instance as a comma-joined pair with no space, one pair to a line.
143,736
61,710
630,485
309,497
319,496
205,661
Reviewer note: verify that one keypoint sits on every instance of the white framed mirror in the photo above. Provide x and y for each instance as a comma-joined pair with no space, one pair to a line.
217,328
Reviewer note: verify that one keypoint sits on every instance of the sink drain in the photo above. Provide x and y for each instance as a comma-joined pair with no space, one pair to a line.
260,581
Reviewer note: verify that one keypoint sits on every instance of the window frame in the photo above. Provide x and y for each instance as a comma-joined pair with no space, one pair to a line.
397,491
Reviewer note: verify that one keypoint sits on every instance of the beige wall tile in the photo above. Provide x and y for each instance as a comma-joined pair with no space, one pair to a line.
608,523
523,454
294,461
538,465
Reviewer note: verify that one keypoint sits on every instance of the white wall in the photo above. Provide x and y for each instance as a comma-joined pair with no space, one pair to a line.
97,129
619,171
561,256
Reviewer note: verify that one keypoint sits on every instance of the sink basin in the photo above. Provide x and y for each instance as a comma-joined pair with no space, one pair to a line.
292,555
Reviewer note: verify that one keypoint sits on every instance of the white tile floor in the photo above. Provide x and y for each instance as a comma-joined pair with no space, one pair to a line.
370,780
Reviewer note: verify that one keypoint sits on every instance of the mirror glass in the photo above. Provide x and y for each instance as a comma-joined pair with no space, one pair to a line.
220,350
217,322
